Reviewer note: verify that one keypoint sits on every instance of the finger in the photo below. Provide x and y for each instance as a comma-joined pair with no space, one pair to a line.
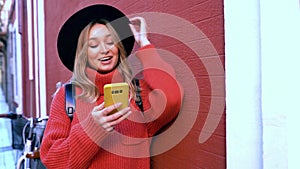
142,21
117,115
96,112
134,19
99,107
134,31
109,109
143,26
138,21
113,123
108,127
101,116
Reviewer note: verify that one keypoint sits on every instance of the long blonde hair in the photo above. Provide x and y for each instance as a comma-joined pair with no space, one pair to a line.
79,78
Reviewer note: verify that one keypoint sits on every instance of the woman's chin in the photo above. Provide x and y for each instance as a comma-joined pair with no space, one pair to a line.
105,70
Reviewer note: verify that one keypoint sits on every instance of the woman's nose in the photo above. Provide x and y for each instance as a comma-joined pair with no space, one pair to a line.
103,49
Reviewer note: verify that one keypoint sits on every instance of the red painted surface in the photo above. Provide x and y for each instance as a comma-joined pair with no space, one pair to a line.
207,15
29,99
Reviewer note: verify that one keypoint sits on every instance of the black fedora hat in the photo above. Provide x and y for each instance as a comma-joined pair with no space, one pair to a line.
71,29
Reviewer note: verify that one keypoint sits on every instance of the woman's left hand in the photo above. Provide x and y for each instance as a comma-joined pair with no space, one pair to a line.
106,120
138,27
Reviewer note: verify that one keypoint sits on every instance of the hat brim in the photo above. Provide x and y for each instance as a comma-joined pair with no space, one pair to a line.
70,31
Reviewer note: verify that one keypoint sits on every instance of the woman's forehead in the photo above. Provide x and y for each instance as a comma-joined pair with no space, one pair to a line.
99,31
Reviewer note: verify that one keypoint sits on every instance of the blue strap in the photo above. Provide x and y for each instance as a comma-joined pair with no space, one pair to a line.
70,100
138,101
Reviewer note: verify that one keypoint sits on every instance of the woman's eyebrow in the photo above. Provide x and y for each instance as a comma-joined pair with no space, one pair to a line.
95,38
108,36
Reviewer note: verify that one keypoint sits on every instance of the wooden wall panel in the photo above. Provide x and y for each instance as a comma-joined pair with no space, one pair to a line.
205,15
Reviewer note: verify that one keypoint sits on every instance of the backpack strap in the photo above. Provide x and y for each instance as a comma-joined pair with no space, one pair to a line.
70,100
138,101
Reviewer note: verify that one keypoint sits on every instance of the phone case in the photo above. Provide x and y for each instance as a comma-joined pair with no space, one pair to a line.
115,93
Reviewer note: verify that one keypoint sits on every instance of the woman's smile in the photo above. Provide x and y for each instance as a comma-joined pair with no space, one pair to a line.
106,59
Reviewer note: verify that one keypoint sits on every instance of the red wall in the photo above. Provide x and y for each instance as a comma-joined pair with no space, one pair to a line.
29,99
207,16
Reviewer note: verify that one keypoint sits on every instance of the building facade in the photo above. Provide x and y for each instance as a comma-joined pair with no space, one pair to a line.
196,37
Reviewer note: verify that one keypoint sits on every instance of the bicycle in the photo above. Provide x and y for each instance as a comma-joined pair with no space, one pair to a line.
32,137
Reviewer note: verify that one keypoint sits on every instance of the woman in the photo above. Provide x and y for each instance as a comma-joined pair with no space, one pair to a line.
94,138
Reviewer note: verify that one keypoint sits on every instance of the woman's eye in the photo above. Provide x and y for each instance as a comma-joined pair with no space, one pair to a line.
93,45
110,43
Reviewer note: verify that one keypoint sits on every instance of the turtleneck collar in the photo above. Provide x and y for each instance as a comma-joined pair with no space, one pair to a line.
100,79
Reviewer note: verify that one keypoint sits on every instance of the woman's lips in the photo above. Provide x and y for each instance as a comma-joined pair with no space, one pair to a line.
106,59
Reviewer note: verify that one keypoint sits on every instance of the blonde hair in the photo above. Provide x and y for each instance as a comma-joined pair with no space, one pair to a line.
79,78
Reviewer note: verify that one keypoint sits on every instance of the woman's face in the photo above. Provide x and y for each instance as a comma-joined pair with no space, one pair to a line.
103,54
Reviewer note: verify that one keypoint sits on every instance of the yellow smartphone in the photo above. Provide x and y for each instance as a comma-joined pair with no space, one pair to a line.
116,93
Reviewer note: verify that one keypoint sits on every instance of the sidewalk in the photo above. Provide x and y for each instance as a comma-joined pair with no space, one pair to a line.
7,154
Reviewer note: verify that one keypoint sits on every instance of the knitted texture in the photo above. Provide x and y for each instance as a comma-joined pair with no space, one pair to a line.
84,144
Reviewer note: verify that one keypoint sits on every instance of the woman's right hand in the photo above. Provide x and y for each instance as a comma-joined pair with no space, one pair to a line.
106,120
138,27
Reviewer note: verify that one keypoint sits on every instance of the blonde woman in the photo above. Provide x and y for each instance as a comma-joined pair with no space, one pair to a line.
94,44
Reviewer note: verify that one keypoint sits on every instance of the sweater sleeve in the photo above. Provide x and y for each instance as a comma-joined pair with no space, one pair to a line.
165,94
65,145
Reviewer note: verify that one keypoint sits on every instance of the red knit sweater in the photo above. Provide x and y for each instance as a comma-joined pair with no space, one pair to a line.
84,144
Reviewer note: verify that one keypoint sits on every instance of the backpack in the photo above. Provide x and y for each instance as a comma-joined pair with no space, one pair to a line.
70,100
